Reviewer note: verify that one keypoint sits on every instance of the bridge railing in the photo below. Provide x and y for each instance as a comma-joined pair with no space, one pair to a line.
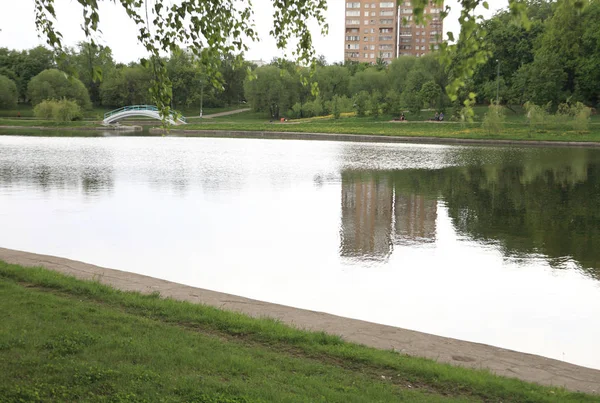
141,108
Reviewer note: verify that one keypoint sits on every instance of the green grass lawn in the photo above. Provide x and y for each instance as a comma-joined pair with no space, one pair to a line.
515,127
64,339
251,121
46,123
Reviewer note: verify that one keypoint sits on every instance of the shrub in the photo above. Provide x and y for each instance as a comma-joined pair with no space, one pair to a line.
313,108
538,116
67,111
60,111
376,104
581,119
44,110
576,115
493,121
361,103
339,105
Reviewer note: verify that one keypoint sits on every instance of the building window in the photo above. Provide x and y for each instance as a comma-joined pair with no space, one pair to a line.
352,13
353,5
386,13
386,4
352,22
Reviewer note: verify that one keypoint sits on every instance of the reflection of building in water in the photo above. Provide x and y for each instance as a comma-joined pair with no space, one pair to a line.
366,217
415,218
373,208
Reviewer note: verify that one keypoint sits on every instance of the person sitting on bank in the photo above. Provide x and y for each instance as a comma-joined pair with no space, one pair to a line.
441,116
436,117
402,117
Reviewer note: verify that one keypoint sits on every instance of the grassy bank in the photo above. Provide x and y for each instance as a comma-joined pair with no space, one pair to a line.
45,123
68,340
384,127
514,129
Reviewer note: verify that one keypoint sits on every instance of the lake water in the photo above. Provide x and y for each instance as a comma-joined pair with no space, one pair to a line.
488,244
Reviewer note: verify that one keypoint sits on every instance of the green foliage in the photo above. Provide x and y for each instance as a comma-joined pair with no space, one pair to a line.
576,113
60,111
89,62
67,111
335,107
8,93
273,90
361,103
376,104
55,84
44,110
493,121
339,105
22,66
127,86
370,80
552,61
536,115
431,95
308,110
212,28
412,101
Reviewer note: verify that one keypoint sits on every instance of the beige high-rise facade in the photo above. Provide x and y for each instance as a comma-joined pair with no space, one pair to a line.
383,30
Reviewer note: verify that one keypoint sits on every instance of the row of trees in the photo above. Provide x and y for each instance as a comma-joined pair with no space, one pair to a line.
89,75
551,64
555,61
407,83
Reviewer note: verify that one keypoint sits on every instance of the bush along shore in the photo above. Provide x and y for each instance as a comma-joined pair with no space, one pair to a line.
64,339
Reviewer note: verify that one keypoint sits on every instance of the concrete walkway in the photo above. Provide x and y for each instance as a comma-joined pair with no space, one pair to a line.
508,363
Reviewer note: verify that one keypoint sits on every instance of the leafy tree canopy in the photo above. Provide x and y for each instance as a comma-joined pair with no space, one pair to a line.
214,27
55,84
8,93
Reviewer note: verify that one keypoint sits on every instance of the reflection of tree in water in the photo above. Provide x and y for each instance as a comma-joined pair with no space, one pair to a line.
547,203
90,171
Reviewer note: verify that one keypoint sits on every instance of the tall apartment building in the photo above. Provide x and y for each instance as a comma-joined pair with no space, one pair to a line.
384,30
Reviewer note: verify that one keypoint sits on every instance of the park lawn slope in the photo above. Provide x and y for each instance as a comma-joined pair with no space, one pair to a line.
32,123
64,339
382,127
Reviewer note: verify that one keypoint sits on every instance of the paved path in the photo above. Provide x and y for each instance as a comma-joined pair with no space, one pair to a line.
456,352
234,112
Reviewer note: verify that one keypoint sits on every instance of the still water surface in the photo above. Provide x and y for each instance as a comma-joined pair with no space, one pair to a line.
486,244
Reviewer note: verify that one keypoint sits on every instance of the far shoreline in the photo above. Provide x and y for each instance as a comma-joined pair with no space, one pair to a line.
297,135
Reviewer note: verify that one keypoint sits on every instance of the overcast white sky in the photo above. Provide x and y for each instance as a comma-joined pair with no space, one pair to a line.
17,23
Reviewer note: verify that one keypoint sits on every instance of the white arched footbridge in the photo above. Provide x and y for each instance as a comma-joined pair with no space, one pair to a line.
148,111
